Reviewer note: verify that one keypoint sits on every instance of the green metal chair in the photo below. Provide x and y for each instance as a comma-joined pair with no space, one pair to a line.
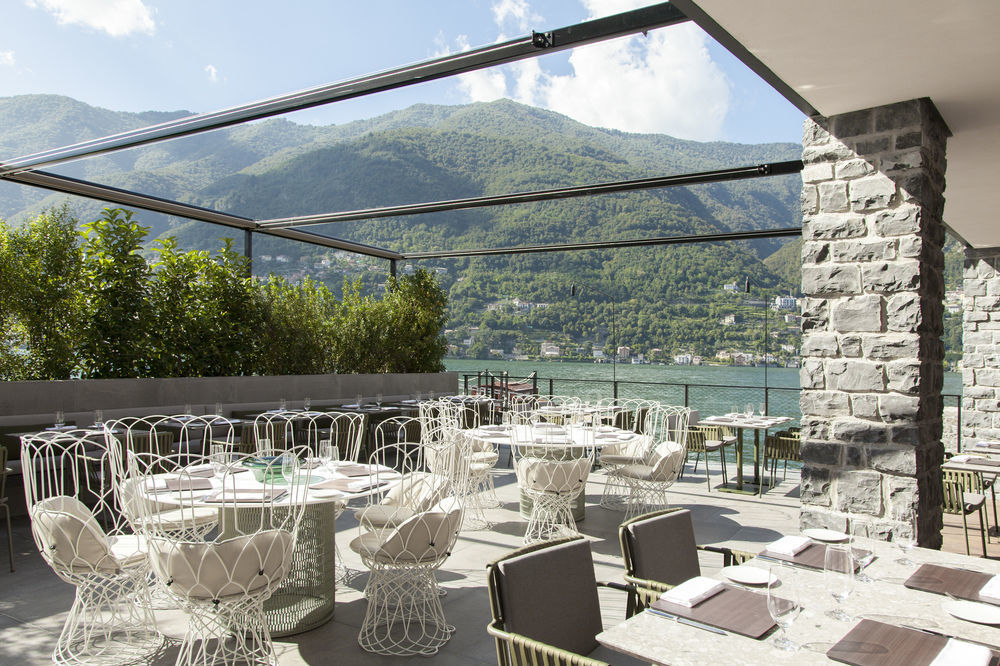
963,495
545,619
784,446
702,440
659,552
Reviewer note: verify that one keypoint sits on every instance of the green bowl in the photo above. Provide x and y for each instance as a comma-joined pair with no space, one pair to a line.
266,469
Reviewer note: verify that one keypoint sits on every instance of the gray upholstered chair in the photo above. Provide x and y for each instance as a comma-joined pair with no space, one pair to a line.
540,618
659,551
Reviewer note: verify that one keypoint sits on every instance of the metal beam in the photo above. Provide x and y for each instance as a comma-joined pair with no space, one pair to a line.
619,25
83,188
738,173
610,245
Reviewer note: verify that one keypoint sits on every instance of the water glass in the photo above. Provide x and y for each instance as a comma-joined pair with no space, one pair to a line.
748,410
357,400
378,399
218,453
187,410
838,563
307,403
419,396
60,419
783,606
283,405
864,549
904,535
98,418
327,452
218,409
289,467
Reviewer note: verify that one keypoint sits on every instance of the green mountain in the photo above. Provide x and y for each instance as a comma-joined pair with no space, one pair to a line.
668,297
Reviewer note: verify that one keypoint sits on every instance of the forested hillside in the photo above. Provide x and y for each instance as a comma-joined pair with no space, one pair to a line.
666,298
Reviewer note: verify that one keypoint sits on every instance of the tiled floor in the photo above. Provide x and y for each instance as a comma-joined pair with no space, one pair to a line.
33,601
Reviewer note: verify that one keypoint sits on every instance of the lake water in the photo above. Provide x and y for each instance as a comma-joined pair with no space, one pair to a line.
709,389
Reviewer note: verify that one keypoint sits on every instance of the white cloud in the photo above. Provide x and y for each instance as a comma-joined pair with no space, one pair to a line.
6,58
516,11
115,17
213,73
664,82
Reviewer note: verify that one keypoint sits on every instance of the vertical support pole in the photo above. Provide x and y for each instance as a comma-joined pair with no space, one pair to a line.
551,393
392,268
686,395
614,389
248,249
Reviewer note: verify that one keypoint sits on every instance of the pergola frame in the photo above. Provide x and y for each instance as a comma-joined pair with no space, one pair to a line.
24,170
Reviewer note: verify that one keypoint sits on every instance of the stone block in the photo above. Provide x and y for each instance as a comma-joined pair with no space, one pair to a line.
824,403
986,303
831,225
890,346
972,287
893,459
901,161
844,251
811,375
815,173
872,192
814,134
903,376
992,287
816,344
972,360
897,116
886,276
850,346
815,428
851,375
870,146
814,252
854,169
908,140
911,246
814,486
852,124
822,453
816,310
834,279
859,492
987,377
833,151
857,431
972,316
864,406
833,197
809,199
898,221
988,405
977,338
894,407
903,312
857,313
975,392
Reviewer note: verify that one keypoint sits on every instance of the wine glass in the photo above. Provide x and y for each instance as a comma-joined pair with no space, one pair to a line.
289,466
378,400
904,535
98,418
864,549
357,400
307,403
784,607
762,409
748,410
60,419
218,453
838,563
187,409
218,409
283,405
328,453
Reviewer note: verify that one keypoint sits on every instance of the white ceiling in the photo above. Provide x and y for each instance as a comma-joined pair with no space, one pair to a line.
854,54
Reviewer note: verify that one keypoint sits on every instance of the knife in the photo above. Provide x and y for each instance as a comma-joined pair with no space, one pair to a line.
957,638
687,621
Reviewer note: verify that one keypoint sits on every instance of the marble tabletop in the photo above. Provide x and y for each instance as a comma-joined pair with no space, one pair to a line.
663,641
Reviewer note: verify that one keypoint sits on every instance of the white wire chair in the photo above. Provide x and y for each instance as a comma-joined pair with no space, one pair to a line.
552,477
647,482
80,532
347,433
222,581
634,415
404,615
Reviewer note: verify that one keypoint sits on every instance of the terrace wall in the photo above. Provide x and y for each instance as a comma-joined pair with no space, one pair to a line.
872,356
981,346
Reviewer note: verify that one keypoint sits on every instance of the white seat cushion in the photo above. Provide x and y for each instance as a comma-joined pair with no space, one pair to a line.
381,515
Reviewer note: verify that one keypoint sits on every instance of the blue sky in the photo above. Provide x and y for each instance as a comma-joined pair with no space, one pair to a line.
206,55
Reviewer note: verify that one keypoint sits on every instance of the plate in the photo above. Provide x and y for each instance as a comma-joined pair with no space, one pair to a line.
829,536
749,575
973,611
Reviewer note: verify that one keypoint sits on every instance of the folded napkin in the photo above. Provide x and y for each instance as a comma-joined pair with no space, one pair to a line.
790,545
959,653
348,485
187,484
693,591
363,470
560,439
201,471
494,428
991,590
988,445
961,458
244,495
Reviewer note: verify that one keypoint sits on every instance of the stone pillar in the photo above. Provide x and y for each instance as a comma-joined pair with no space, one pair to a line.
872,356
981,346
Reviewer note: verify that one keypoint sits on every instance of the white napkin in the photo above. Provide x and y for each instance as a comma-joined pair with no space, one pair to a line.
554,439
991,590
962,458
789,545
693,591
960,653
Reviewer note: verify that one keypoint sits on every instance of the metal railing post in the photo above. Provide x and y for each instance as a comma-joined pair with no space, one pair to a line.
687,402
551,393
958,425
614,389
